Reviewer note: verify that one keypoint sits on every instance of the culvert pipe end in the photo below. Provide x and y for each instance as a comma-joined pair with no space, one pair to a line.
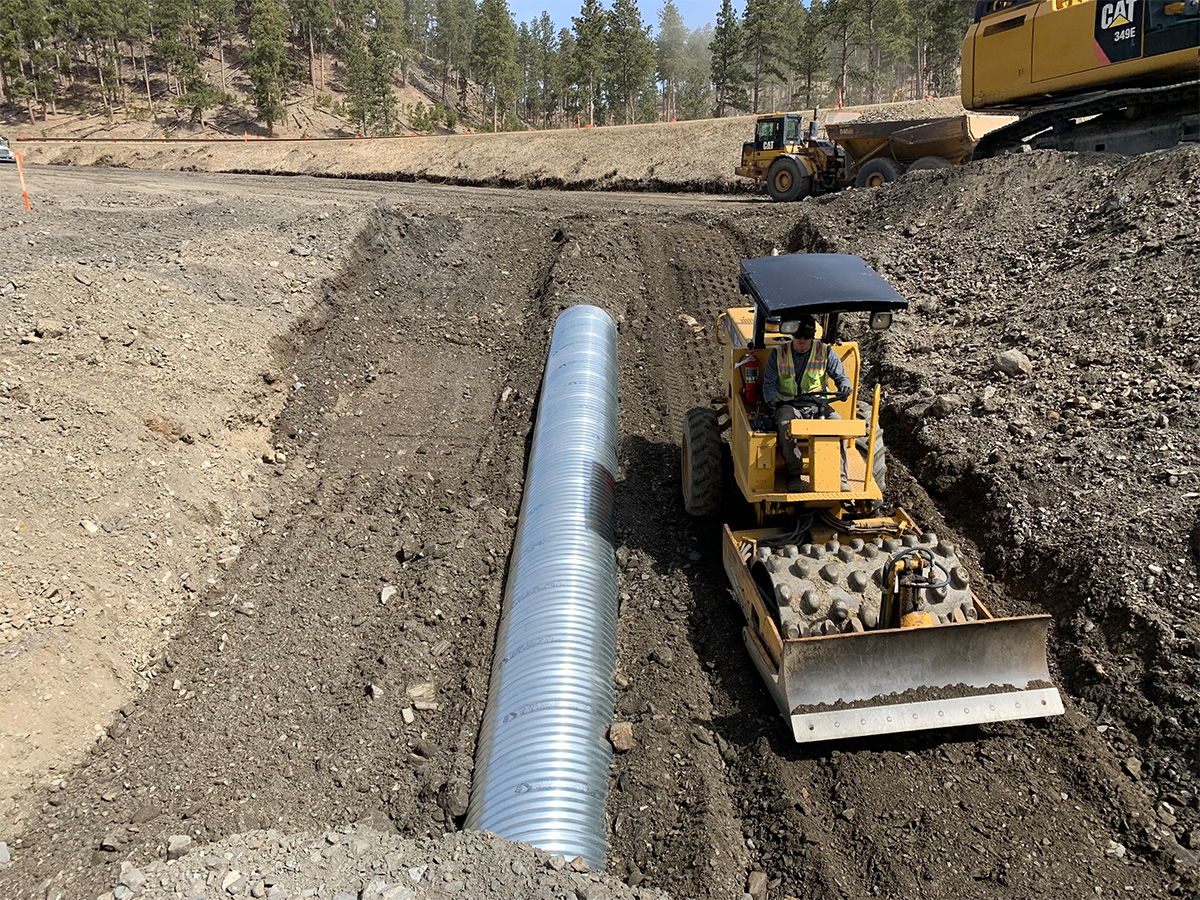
542,760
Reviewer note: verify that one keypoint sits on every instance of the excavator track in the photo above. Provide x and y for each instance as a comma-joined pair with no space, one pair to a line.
1130,121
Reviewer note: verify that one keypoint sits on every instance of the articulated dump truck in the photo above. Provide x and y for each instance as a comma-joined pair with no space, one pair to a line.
795,163
859,621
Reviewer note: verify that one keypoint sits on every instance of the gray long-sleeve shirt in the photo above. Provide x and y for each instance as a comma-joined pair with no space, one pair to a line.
833,368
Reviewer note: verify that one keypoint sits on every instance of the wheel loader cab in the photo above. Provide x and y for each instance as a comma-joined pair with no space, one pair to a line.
773,135
778,132
828,287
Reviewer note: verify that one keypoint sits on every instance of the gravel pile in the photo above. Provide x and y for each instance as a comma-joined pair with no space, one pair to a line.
363,862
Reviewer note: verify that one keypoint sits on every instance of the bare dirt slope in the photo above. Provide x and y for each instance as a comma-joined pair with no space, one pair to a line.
392,455
680,156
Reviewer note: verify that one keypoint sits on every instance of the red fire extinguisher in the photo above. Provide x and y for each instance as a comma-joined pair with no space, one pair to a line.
751,379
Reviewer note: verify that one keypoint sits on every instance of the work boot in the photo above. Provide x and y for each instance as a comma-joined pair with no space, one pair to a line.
795,483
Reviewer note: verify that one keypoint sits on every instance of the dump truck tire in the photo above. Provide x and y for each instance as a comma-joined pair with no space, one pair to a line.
787,180
930,162
702,466
877,173
879,464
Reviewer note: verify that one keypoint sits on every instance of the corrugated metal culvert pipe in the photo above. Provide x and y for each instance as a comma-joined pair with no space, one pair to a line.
541,765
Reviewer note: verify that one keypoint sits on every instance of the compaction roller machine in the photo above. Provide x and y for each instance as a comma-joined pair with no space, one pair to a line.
859,622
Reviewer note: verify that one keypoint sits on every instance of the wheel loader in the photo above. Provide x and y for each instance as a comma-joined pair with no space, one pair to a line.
859,621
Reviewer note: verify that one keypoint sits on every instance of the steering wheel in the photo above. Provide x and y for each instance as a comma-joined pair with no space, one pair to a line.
817,399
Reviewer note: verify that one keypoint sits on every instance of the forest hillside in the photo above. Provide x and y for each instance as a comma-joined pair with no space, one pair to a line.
321,68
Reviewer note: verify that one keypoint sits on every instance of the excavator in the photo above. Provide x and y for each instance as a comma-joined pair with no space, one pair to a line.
1117,76
859,621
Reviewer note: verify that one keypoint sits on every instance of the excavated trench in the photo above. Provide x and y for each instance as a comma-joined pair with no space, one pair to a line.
318,701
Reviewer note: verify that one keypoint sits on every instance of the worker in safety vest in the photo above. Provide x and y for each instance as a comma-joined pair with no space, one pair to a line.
803,365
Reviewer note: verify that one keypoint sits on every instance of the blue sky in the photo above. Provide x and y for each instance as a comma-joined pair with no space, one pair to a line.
696,13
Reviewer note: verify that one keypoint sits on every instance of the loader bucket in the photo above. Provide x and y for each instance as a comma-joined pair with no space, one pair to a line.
882,682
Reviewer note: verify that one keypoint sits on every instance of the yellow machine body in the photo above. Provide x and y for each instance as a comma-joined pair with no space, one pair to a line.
787,154
858,622
1025,53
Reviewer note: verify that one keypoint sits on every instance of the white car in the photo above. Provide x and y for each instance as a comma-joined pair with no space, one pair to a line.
6,155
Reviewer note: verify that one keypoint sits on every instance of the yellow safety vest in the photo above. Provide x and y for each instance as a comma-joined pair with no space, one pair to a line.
813,376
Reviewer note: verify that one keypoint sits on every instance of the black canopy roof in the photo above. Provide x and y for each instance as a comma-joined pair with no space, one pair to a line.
784,287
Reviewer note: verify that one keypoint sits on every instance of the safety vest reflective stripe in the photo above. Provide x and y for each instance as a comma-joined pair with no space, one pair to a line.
813,376
787,372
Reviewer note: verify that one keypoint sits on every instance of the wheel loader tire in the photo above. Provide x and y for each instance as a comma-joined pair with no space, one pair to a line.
787,180
877,173
702,463
879,464
930,162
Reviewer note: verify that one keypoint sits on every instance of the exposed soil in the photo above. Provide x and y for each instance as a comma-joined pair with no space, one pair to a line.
339,380
681,156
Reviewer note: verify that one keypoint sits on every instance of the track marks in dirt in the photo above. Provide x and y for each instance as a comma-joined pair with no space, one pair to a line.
984,812
283,701
672,820
282,729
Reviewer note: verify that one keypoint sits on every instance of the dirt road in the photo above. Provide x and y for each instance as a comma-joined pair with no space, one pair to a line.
299,393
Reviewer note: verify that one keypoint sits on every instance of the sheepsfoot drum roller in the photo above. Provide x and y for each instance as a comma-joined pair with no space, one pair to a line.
859,622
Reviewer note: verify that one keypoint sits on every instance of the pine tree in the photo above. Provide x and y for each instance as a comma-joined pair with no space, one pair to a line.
949,20
728,63
268,62
359,90
315,18
566,87
842,20
419,17
452,39
92,25
805,43
173,44
132,19
695,96
628,57
24,36
761,32
373,45
528,88
588,57
493,58
672,61
545,66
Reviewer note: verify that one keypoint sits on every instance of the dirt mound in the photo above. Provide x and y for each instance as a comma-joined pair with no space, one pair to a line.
367,861
373,435
933,108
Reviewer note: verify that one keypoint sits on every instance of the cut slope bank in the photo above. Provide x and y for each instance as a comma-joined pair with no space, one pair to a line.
680,156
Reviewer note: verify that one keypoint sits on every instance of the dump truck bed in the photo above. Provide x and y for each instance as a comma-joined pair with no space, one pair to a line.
952,138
